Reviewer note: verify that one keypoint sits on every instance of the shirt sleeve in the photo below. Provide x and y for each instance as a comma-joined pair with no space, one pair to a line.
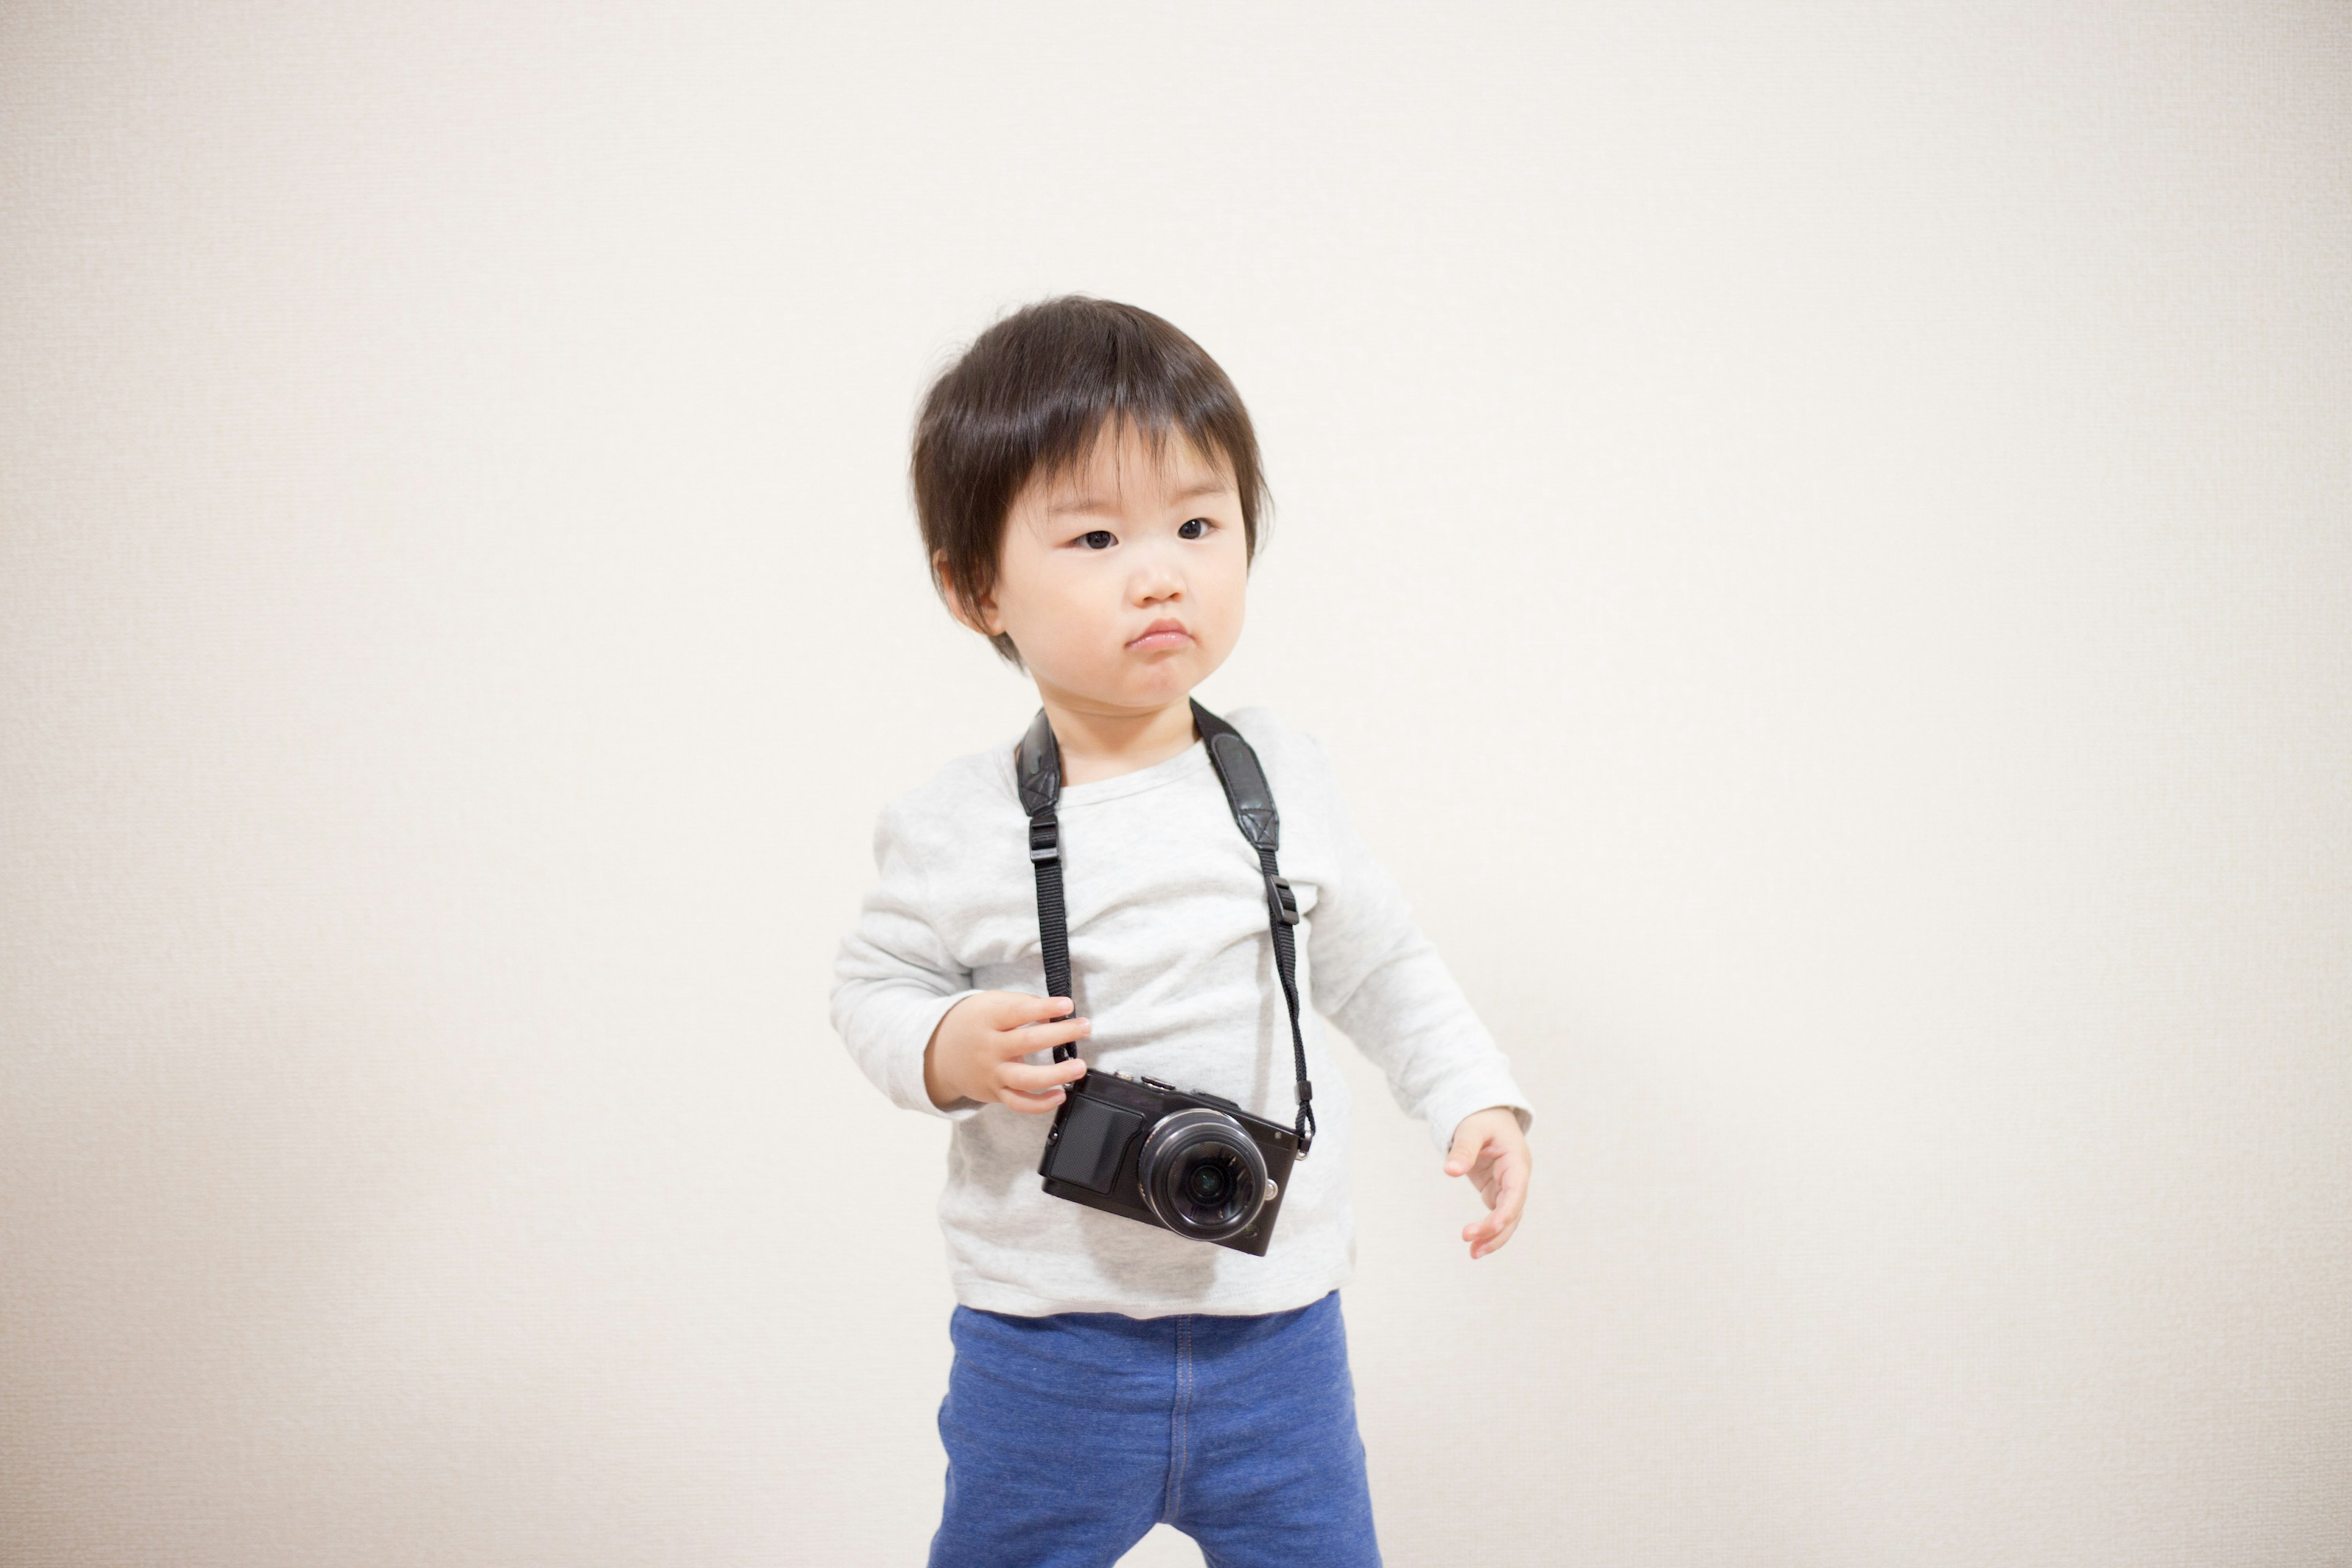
895,977
1383,981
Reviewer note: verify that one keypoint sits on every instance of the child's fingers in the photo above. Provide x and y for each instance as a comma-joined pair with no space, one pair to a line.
1507,1198
1025,1039
1029,1104
1479,1248
1487,1233
1473,1141
1511,1175
1040,1080
1504,1185
1016,1009
1469,1142
1491,1222
1503,1211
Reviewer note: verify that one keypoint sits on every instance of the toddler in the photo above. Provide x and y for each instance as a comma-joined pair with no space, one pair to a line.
1089,490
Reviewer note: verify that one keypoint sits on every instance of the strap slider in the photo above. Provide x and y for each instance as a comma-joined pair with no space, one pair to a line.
1045,841
1285,902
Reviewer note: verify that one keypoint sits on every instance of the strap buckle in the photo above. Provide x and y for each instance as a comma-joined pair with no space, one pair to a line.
1045,841
1285,902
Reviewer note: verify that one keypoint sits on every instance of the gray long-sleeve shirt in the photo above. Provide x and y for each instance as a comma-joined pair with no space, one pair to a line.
1172,959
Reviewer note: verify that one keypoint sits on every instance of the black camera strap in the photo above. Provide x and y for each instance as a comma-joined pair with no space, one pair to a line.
1039,769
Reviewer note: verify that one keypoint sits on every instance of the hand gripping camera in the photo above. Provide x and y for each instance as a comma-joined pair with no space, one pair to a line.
1190,1162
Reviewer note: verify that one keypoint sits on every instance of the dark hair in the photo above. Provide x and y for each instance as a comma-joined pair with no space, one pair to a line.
1030,396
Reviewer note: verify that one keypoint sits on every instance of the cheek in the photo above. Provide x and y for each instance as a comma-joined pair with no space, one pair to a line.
1062,605
1229,591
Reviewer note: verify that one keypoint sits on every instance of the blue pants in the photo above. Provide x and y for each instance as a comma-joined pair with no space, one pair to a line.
1069,1436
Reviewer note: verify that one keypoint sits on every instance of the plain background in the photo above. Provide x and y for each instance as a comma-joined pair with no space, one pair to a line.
1816,537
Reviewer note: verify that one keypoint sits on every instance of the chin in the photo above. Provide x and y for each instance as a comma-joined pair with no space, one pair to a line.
1184,667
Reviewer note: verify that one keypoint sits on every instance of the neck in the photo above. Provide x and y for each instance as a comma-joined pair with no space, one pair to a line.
1101,742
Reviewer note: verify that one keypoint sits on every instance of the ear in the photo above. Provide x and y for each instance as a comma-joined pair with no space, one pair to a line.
989,625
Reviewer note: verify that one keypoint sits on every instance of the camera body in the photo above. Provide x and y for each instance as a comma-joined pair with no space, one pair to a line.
1194,1163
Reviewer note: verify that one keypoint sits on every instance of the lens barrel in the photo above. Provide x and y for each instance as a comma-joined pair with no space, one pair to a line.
1203,1174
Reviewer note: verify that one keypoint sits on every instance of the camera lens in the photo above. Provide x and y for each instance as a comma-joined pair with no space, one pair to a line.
1209,1183
1203,1174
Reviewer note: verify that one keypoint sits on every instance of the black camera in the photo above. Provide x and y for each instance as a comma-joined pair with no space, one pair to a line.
1191,1162
1194,1163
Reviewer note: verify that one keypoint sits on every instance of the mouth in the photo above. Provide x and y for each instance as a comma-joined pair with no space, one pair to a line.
1162,634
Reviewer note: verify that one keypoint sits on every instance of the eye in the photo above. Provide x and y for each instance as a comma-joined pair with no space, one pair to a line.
1194,528
1100,538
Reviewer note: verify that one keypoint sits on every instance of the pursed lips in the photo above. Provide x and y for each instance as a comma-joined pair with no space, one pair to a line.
1163,634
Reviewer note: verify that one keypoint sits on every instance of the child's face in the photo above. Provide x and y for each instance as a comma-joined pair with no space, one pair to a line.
1094,560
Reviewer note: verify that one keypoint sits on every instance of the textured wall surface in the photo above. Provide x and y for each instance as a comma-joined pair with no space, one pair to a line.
1819,540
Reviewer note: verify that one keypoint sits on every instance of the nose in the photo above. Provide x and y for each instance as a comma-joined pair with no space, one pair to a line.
1158,575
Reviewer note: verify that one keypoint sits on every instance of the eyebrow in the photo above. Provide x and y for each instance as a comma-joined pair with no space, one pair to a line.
1093,504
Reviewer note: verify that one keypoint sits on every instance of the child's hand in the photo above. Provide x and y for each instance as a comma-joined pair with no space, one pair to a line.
976,1053
1489,1147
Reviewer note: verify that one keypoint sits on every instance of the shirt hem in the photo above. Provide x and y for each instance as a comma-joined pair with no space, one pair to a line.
994,1296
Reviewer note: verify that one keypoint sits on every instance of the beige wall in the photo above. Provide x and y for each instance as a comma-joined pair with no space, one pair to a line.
1820,545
